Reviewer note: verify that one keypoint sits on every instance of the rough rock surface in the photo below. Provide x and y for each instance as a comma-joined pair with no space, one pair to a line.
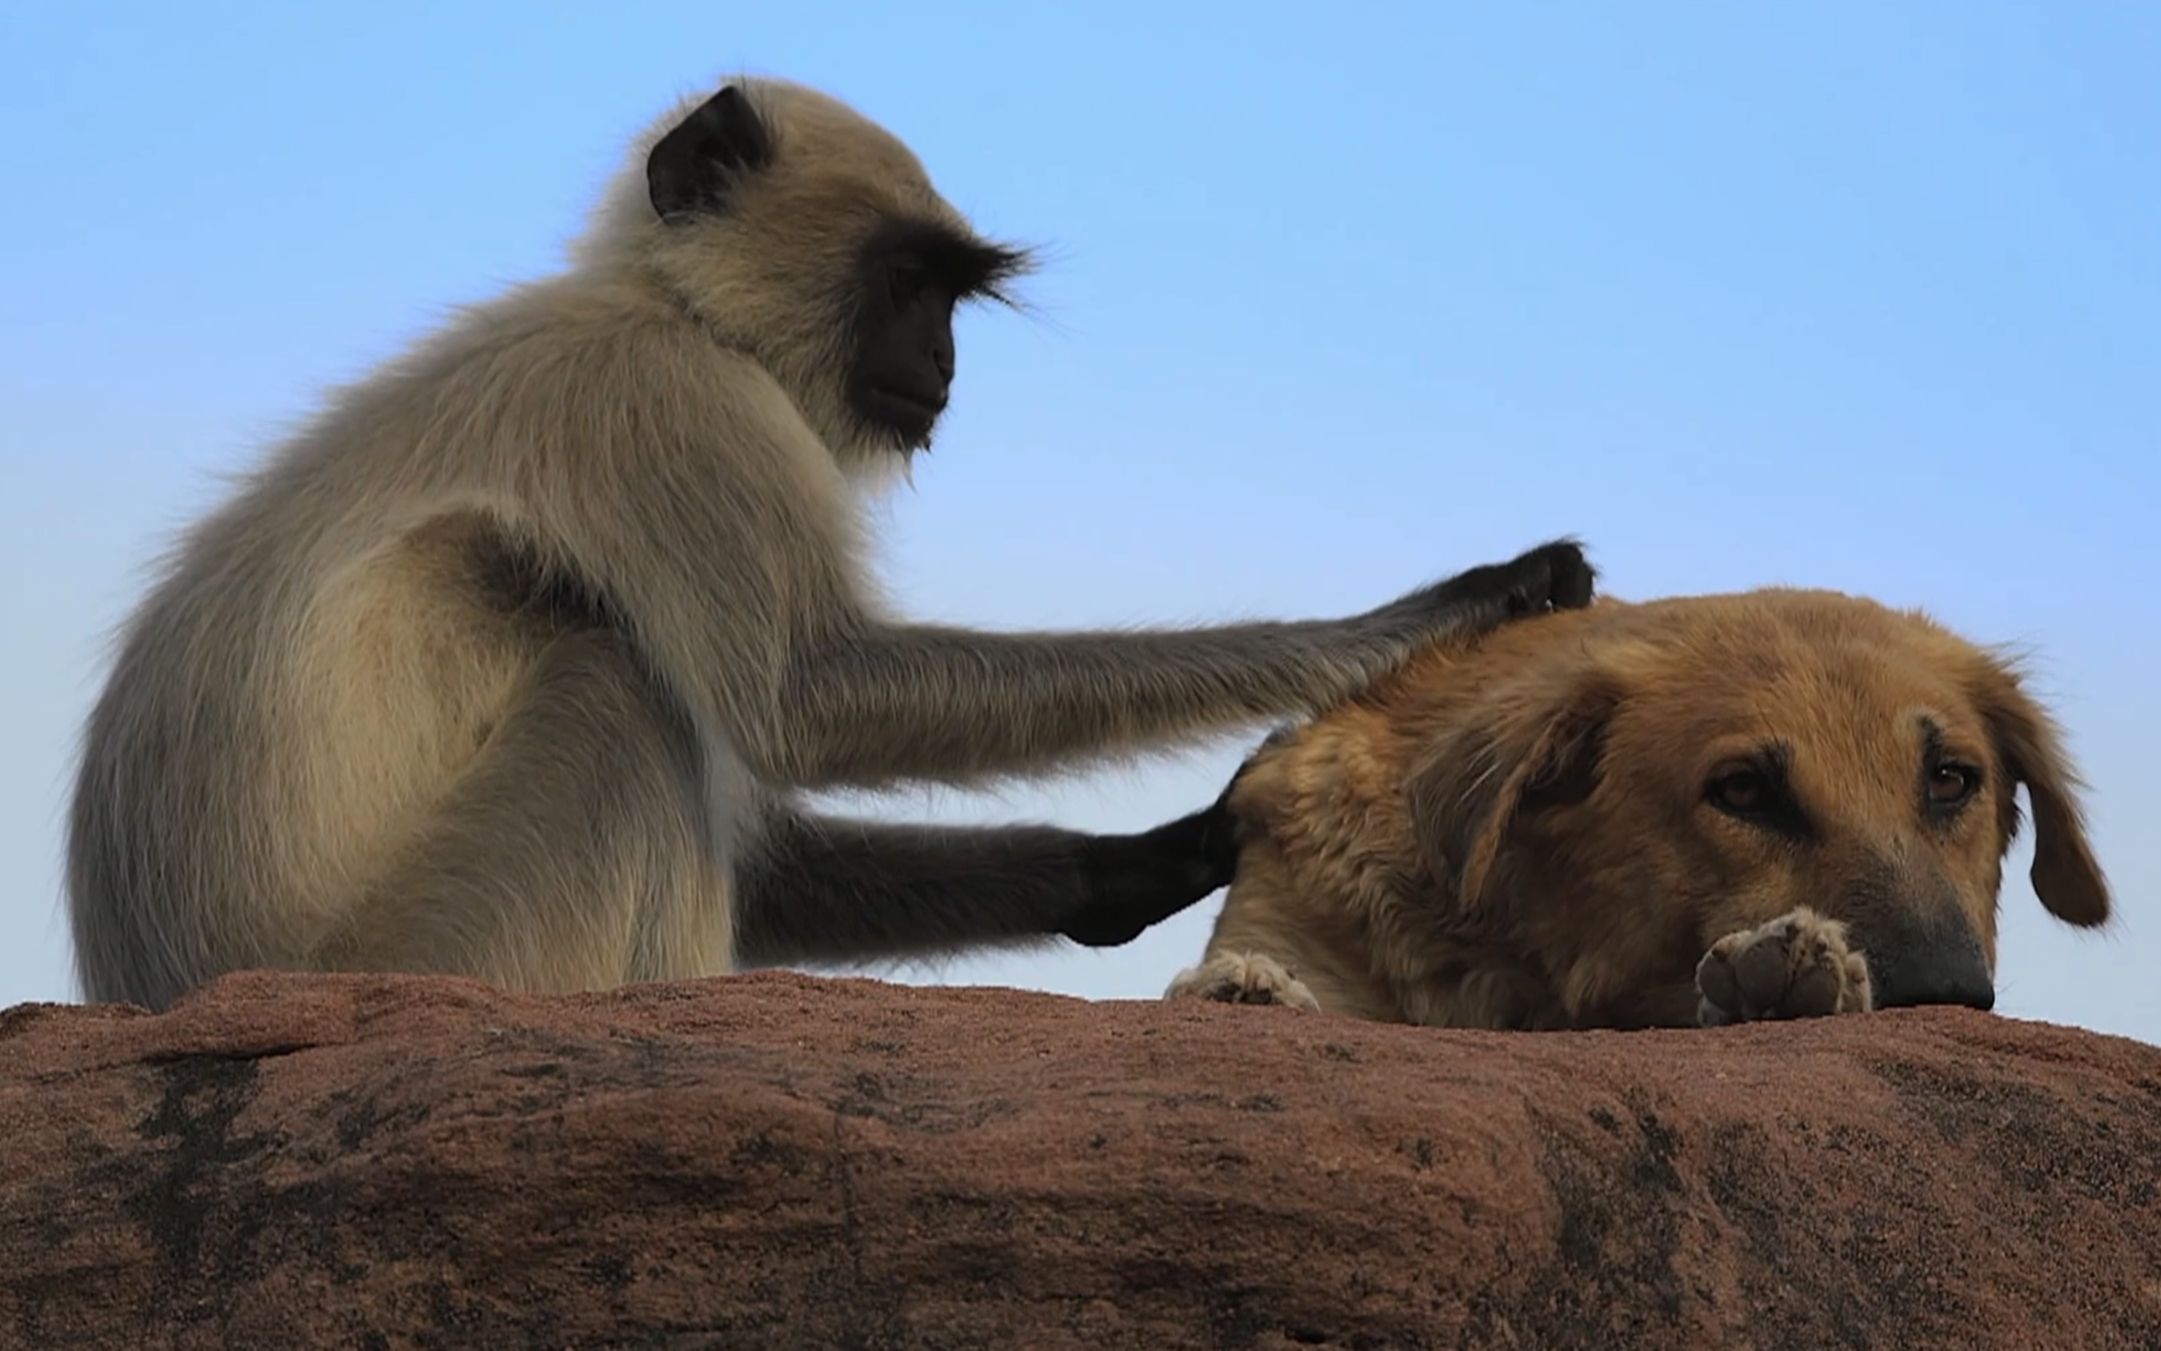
779,1161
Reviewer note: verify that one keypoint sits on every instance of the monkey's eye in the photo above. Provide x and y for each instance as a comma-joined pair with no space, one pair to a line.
1742,792
1951,785
905,278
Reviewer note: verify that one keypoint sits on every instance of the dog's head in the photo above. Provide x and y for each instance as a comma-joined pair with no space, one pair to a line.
1639,780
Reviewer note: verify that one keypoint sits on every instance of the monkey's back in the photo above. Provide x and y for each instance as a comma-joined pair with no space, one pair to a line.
175,773
297,686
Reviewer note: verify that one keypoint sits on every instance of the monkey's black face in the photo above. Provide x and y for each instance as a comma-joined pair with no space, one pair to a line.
912,276
908,277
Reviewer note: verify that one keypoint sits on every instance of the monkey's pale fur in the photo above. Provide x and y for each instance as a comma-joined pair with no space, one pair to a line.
327,743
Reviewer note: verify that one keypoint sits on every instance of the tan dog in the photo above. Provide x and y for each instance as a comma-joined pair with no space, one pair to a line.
1707,809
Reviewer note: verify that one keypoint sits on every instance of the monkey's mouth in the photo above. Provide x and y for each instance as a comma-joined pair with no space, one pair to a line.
909,414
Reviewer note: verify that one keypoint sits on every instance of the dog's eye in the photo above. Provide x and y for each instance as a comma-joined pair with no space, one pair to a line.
1760,795
1743,792
1950,785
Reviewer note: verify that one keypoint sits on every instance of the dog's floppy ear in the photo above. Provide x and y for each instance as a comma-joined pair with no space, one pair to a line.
2029,746
1532,742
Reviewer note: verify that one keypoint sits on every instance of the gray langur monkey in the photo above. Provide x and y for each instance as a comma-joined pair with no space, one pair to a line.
515,662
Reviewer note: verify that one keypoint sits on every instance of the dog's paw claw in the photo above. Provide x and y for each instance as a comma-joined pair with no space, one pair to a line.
1796,966
1243,978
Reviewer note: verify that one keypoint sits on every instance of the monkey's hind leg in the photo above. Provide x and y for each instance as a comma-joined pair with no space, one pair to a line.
572,854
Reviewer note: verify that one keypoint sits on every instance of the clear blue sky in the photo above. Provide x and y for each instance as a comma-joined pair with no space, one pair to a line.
1343,297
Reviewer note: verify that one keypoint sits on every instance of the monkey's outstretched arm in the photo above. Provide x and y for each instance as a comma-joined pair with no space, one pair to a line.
832,889
957,705
737,576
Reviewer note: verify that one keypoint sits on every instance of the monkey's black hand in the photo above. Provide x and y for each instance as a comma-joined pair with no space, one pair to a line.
1137,881
1553,576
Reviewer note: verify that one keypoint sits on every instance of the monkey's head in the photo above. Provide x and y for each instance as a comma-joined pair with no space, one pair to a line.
811,238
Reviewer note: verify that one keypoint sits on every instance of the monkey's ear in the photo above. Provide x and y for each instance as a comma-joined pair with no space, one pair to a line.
2066,879
1533,743
694,168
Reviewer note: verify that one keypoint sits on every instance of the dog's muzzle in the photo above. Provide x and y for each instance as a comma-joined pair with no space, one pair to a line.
1914,961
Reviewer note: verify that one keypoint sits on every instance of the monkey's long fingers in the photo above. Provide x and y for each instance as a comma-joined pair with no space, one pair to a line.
1138,881
1553,576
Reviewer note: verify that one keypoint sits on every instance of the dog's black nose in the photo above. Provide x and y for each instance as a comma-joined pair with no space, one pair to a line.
1932,973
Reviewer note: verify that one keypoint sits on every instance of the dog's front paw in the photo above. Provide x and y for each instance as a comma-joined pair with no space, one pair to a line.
1797,966
1242,978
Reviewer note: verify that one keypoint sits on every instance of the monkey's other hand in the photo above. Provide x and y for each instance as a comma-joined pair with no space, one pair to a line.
1796,966
1553,576
1137,881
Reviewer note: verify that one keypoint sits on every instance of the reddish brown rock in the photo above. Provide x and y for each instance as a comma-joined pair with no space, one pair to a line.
779,1161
